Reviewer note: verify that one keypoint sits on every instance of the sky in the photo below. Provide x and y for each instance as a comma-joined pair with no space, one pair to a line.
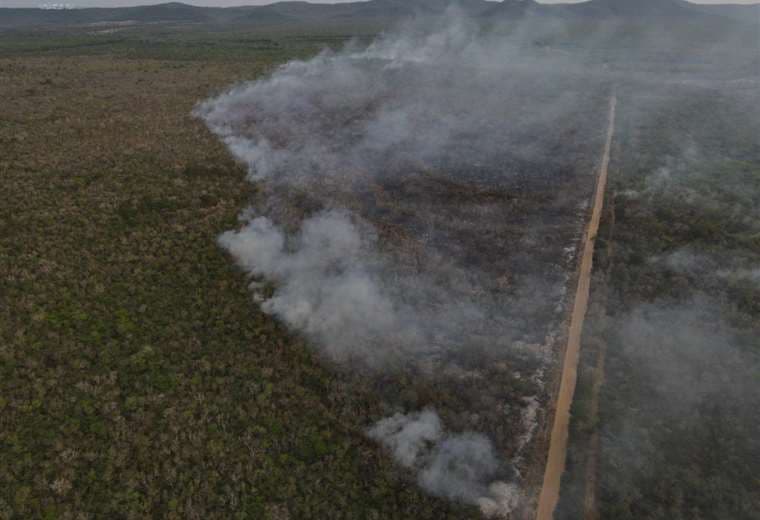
226,3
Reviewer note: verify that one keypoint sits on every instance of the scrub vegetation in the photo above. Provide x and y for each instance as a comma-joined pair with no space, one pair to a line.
137,377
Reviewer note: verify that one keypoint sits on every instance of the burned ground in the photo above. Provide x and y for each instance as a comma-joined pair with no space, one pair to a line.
476,242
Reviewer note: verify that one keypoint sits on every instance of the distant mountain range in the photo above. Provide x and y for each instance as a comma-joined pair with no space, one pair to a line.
295,12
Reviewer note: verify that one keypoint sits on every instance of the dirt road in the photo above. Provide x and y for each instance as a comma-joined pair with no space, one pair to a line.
555,464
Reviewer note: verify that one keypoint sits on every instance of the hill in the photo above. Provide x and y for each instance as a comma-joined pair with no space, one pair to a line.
276,13
298,11
713,21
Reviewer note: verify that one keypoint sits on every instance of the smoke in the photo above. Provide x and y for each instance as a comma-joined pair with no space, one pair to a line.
686,406
418,143
716,266
324,288
418,209
430,93
462,467
459,467
333,284
698,358
407,436
678,417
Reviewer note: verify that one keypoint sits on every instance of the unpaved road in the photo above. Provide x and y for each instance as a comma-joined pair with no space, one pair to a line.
555,464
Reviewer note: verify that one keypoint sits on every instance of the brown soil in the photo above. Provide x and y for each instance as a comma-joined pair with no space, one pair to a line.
555,464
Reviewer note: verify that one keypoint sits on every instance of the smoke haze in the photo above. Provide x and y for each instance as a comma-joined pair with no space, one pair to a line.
403,221
418,209
424,132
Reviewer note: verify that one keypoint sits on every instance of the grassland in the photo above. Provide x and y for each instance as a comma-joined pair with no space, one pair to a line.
137,379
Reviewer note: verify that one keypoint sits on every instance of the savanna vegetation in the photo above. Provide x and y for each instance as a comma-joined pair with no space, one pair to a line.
137,377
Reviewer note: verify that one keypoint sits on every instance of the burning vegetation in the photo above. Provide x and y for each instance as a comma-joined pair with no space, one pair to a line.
417,219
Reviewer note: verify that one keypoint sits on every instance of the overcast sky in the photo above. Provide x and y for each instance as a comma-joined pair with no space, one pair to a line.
224,3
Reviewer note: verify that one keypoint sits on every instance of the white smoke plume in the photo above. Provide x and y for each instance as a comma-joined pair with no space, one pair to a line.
436,107
427,93
462,467
324,287
330,283
407,436
391,223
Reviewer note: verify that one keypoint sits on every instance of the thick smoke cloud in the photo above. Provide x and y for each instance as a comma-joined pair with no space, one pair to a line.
327,136
323,286
332,283
389,180
427,94
461,467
